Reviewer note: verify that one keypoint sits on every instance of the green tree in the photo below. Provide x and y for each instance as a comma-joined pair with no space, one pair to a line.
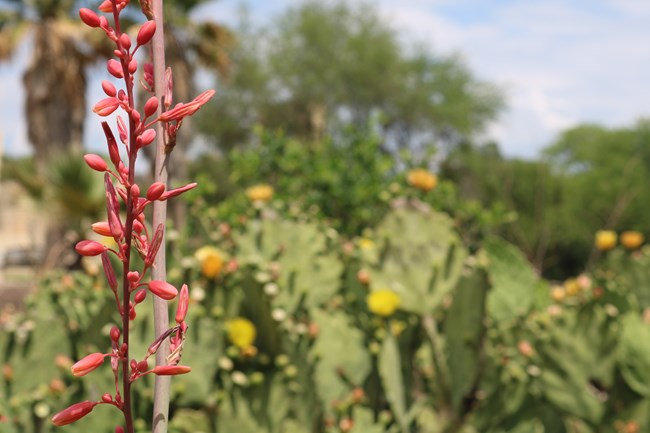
327,65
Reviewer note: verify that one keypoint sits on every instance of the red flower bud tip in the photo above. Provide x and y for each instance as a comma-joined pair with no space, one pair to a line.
133,66
146,32
183,302
96,162
140,295
119,429
109,88
89,248
163,290
106,6
115,333
155,191
90,18
178,191
143,366
132,314
115,68
102,228
146,138
171,370
135,191
106,106
125,40
183,110
73,413
107,398
133,277
87,364
137,226
150,106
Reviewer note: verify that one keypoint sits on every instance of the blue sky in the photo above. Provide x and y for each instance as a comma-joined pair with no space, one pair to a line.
558,62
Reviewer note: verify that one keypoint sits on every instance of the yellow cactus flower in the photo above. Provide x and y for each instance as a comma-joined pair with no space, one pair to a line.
572,287
632,239
241,332
260,193
211,259
606,239
422,179
383,302
558,293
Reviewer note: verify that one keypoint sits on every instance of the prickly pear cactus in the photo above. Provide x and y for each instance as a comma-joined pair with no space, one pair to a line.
514,283
417,254
300,252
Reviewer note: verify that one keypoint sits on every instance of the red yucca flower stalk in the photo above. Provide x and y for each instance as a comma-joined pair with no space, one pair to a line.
126,206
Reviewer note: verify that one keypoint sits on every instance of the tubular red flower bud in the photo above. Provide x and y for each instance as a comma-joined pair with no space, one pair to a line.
115,68
121,128
150,106
106,6
133,66
108,270
143,366
146,32
119,429
90,18
125,40
107,398
137,226
163,289
178,191
87,364
155,191
106,106
102,228
155,245
132,314
73,413
183,110
183,303
140,295
109,88
115,333
113,150
89,248
171,370
147,137
96,162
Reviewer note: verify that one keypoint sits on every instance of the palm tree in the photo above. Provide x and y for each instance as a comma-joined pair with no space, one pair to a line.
55,78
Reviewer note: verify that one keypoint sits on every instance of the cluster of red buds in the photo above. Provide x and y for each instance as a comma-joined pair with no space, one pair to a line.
126,222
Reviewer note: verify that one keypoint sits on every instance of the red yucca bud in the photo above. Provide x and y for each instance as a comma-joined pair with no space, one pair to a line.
183,110
150,106
119,429
163,290
140,295
115,333
155,191
146,138
115,68
87,364
90,18
106,106
146,32
183,302
106,6
89,248
102,228
109,88
125,41
171,370
96,162
178,191
109,271
73,413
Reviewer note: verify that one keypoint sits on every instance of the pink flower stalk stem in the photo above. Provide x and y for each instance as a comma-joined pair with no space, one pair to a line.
124,195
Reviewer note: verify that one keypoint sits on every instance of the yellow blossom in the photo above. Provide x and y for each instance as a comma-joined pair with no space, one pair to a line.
261,193
572,287
211,259
422,179
558,293
383,302
366,244
632,239
605,239
241,332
